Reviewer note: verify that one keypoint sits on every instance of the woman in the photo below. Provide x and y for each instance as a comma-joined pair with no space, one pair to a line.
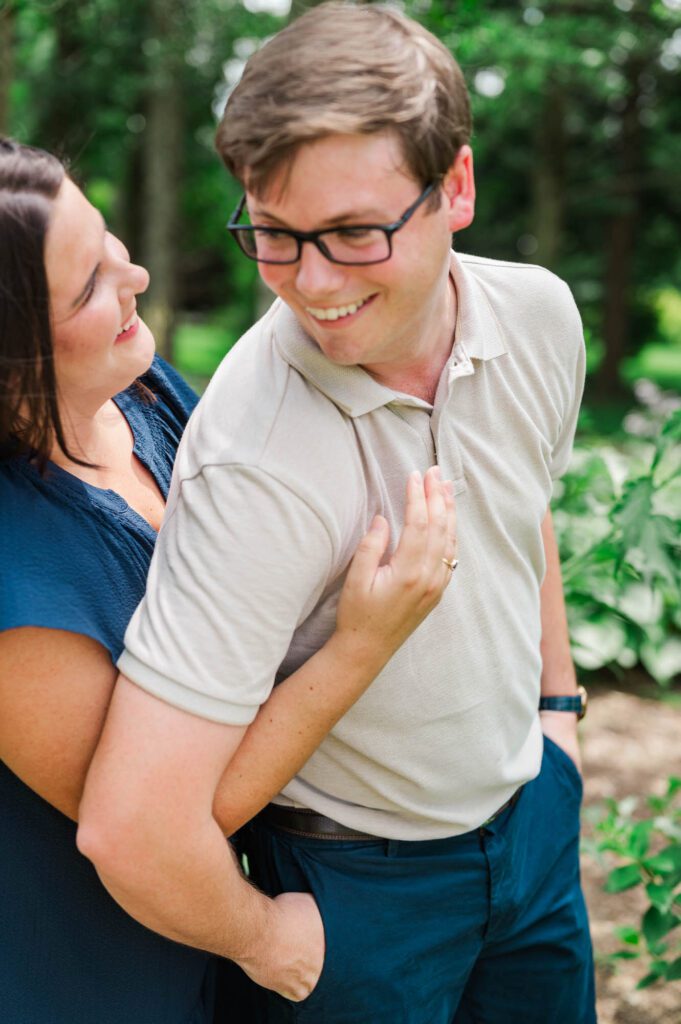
89,426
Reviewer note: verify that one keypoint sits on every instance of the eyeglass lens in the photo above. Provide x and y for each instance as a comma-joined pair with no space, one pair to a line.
344,245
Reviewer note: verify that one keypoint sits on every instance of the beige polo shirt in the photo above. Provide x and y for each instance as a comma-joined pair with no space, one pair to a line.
280,472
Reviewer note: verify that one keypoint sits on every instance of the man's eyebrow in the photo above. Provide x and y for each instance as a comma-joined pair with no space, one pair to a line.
359,217
90,281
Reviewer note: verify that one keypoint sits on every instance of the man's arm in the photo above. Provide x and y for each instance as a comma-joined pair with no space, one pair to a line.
147,823
558,672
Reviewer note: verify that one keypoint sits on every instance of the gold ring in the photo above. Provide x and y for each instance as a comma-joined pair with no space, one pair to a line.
451,565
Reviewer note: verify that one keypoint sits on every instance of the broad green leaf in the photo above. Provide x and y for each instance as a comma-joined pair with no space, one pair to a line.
658,969
663,661
649,980
656,925
639,839
631,936
654,546
673,785
674,970
614,845
625,954
641,603
668,436
598,642
633,509
623,878
661,896
666,861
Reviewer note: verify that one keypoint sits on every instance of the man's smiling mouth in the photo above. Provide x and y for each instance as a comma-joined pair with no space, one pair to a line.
337,312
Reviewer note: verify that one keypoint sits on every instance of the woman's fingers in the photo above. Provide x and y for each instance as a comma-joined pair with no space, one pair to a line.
428,537
367,557
413,542
383,603
442,523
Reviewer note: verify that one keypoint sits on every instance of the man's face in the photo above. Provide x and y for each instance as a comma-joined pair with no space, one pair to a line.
380,316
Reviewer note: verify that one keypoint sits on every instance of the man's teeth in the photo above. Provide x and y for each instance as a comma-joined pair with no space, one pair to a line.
334,312
126,327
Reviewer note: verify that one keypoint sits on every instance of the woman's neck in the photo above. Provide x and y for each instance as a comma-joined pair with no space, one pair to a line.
91,435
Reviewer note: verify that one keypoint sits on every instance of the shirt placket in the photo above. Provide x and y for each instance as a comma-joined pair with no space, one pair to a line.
443,418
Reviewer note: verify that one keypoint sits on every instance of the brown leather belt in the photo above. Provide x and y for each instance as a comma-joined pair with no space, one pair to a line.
301,821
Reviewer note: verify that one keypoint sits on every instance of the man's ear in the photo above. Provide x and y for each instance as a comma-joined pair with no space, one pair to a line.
458,186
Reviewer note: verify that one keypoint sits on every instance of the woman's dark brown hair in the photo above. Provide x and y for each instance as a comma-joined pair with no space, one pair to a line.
29,415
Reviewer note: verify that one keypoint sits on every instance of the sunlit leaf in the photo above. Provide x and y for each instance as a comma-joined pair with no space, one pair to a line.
666,861
630,935
623,878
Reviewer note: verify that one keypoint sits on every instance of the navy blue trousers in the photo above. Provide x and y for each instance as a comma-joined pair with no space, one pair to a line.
489,927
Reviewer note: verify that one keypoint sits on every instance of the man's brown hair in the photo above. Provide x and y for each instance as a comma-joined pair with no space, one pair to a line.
346,69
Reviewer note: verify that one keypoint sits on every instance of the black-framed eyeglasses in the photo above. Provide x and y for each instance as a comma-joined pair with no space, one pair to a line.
351,245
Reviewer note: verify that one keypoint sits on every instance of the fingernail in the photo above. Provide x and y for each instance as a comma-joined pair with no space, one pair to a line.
437,473
416,477
376,524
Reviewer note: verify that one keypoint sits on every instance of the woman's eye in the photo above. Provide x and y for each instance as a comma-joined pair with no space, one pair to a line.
91,287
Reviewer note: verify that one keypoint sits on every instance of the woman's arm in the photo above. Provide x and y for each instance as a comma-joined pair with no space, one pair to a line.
55,689
379,607
55,686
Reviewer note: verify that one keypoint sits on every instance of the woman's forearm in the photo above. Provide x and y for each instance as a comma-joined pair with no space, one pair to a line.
290,726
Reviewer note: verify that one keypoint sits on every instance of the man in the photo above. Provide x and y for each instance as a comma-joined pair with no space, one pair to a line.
439,844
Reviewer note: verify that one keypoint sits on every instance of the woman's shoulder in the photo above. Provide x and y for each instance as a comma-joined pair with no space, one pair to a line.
64,556
170,388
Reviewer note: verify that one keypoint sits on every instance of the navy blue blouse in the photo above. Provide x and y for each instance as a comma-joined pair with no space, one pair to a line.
75,557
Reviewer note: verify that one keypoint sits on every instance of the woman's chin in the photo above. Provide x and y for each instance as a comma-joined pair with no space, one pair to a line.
142,348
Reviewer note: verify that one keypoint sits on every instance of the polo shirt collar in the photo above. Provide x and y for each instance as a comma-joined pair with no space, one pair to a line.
477,326
351,388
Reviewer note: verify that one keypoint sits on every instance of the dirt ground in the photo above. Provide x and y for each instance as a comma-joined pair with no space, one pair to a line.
631,743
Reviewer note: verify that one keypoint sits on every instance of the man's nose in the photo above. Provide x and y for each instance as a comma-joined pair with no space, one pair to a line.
316,275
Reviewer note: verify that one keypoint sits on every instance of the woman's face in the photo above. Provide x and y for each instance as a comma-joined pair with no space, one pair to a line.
100,344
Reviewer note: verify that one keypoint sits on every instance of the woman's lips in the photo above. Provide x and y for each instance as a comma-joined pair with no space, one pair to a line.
130,332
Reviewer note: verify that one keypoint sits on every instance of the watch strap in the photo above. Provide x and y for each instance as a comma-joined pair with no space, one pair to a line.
576,703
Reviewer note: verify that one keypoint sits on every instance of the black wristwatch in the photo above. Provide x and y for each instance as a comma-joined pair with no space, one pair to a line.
577,703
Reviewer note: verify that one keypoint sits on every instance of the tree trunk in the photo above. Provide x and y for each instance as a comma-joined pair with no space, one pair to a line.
6,25
621,236
161,171
549,176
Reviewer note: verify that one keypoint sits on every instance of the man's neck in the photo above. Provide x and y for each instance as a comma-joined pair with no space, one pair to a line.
420,375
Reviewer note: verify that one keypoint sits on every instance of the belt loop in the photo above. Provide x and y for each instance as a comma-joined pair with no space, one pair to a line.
392,847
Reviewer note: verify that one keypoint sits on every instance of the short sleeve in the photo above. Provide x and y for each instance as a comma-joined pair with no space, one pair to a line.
240,562
572,351
60,572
